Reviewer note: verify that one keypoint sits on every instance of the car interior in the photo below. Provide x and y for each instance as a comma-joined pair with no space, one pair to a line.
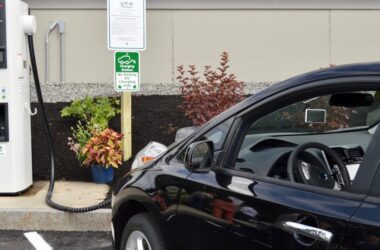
320,141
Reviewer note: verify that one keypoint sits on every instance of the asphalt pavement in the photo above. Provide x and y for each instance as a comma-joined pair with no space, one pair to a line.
42,240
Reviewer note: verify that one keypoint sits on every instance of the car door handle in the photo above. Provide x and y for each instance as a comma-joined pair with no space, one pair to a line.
308,231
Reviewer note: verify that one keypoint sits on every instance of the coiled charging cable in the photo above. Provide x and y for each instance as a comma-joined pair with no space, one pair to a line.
49,195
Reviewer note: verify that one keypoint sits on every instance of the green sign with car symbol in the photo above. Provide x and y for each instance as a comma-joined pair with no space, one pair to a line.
127,71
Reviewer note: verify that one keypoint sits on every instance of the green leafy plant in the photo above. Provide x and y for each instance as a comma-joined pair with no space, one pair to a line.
208,97
94,113
104,148
93,116
80,136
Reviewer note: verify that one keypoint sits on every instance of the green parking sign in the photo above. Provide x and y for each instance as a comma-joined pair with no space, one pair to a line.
127,71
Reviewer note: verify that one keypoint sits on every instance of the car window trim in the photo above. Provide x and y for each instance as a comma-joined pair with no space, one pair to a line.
321,87
198,134
298,186
374,190
202,133
249,115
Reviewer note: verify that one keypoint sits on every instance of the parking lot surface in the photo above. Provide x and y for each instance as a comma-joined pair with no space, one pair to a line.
54,240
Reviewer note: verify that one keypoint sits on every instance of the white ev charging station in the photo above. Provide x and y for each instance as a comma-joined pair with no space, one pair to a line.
15,121
17,60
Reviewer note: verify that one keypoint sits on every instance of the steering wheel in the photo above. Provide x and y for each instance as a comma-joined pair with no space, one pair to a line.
316,172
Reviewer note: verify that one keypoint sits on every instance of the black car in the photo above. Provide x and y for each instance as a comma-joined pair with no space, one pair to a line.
295,166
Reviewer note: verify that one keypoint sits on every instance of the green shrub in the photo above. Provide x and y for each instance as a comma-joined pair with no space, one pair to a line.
93,116
94,113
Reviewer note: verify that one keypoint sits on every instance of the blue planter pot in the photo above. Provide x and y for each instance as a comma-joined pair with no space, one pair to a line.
101,174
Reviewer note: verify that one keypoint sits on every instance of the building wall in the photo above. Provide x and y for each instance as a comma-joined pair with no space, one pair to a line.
268,41
264,45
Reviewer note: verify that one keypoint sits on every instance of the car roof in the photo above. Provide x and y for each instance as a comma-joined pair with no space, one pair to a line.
357,69
348,70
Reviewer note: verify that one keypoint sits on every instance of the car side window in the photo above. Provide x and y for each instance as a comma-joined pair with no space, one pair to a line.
319,141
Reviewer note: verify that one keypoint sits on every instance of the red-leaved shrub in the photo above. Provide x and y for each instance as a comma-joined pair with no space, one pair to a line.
208,97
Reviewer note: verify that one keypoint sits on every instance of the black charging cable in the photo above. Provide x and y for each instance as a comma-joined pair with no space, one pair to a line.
49,195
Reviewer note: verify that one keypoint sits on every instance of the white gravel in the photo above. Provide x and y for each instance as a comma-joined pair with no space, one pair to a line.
66,92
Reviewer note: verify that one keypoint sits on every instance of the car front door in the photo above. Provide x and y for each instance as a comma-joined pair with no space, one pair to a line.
258,214
236,208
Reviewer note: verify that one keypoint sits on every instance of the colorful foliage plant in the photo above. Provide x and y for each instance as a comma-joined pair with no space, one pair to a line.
104,148
205,98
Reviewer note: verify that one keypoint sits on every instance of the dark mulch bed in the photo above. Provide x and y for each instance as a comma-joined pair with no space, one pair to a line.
155,118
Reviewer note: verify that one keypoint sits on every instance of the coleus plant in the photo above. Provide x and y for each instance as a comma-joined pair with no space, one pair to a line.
104,148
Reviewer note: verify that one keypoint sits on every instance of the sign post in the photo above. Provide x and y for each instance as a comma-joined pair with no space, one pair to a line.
127,79
126,124
126,28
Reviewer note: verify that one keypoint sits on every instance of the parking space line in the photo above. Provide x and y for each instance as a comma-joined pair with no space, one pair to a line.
37,241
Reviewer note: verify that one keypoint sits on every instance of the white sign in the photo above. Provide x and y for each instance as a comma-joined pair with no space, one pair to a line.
126,24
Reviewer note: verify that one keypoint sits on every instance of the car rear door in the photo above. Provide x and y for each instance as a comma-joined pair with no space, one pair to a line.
363,229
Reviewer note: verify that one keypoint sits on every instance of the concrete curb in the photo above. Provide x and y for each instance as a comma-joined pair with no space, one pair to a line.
48,219
29,211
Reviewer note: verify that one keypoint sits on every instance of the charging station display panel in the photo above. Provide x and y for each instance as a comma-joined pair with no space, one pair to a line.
3,37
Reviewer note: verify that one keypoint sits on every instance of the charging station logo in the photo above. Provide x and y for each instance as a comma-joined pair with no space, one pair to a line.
127,75
126,62
126,4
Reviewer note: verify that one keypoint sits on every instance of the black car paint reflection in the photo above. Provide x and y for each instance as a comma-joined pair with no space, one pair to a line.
222,209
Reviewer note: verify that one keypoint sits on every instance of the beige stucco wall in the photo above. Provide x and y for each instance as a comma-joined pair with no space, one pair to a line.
264,45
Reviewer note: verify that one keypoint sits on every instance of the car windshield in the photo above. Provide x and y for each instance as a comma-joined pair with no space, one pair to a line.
324,114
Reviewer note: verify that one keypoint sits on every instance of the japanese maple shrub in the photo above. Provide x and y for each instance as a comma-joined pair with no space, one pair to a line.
208,97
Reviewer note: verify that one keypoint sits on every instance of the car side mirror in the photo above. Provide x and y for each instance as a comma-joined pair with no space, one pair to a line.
199,156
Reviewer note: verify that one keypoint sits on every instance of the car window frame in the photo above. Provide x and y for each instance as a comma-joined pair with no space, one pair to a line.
374,191
198,135
278,100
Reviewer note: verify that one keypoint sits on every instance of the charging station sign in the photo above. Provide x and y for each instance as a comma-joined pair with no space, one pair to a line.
126,24
127,71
